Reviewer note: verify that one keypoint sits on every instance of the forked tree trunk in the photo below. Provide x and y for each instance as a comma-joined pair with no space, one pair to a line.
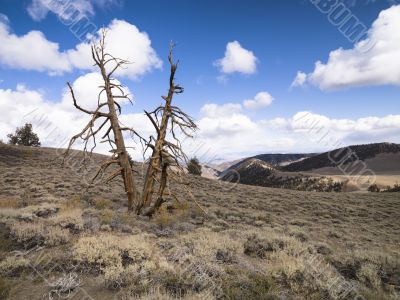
166,118
155,160
155,165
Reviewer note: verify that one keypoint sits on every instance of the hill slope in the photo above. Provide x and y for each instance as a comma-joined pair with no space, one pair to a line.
342,156
252,171
319,172
283,159
253,243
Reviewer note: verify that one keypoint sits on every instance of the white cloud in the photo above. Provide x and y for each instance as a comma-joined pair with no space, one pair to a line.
262,99
57,122
380,65
300,79
4,19
225,131
66,10
31,51
38,10
214,110
325,132
124,40
86,89
237,59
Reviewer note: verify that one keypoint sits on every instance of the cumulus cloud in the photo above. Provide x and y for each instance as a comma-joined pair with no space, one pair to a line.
380,65
226,131
57,121
214,110
31,51
237,59
66,10
124,40
299,80
325,132
262,99
86,89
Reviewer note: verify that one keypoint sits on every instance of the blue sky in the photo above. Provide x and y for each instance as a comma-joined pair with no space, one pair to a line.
282,38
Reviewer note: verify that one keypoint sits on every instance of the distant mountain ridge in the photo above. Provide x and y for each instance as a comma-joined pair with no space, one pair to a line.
343,155
271,170
278,159
272,159
252,171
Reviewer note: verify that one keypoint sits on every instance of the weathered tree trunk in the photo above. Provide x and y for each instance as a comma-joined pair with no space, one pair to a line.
122,154
155,159
110,120
165,119
160,198
155,162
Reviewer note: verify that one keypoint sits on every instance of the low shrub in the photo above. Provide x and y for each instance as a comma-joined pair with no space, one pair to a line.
12,265
119,258
101,203
368,275
258,247
244,285
36,233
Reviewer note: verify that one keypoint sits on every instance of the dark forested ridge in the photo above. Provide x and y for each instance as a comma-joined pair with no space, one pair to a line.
342,156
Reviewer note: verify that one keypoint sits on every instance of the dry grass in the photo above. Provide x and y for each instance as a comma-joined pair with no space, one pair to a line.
39,233
69,218
254,243
7,202
101,203
11,265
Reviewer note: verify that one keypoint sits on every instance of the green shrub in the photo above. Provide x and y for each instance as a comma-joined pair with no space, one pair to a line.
374,189
24,136
194,166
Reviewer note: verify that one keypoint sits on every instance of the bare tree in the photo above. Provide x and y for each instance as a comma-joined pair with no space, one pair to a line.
166,119
105,122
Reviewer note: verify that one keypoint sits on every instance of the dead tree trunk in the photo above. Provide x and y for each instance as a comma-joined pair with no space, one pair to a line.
113,134
164,153
122,154
155,159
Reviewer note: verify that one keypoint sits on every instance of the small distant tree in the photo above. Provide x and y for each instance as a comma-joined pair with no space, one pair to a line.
374,189
24,136
194,166
395,188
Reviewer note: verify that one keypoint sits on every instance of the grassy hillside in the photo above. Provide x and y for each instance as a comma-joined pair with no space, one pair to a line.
57,238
